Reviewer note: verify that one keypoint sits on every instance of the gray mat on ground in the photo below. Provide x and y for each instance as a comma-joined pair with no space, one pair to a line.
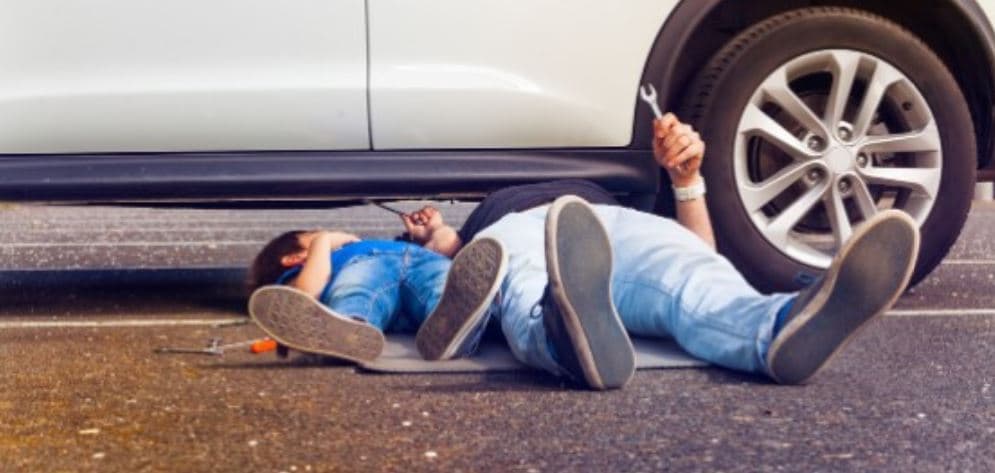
401,356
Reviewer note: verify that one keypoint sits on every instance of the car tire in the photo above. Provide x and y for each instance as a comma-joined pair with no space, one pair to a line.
805,52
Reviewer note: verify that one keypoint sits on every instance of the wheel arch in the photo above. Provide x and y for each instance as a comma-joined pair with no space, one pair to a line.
699,28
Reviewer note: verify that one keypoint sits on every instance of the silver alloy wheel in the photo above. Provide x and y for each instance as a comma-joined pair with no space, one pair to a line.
826,141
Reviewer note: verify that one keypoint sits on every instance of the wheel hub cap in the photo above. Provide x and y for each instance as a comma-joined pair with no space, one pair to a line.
826,140
840,160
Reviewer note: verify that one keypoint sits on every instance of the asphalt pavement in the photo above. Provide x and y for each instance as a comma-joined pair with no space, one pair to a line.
88,292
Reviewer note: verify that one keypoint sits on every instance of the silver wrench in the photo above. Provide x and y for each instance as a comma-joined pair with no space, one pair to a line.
648,93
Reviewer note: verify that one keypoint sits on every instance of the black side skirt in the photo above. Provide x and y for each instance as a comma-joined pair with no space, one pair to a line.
313,175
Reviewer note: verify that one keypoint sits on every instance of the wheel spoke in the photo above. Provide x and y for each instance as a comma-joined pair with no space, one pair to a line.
838,218
758,195
926,139
881,79
756,122
865,201
776,89
922,180
844,71
779,228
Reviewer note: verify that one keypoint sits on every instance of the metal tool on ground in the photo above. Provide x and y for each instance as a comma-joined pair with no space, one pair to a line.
215,348
231,323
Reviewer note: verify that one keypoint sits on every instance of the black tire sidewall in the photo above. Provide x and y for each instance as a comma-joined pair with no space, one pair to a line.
720,97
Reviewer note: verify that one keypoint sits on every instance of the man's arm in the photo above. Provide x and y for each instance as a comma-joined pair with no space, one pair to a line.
427,228
317,267
680,150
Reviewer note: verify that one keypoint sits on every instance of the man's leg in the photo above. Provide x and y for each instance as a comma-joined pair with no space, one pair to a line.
522,290
667,282
581,323
561,320
866,277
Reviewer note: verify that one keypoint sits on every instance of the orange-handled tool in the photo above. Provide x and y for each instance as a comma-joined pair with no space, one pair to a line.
263,346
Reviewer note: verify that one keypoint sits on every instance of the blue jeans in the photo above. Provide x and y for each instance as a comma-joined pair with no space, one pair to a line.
393,290
666,282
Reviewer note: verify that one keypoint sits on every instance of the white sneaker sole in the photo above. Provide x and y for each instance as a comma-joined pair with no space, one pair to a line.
302,323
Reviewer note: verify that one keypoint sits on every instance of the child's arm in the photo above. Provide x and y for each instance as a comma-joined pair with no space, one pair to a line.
318,266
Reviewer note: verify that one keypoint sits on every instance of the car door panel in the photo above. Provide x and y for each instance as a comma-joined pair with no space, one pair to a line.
497,74
182,75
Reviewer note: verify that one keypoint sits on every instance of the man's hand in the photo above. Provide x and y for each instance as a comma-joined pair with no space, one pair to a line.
678,149
421,224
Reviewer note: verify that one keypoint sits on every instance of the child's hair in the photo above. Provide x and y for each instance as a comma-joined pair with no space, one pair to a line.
266,267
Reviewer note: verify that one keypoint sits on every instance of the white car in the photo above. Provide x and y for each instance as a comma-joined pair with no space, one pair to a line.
814,117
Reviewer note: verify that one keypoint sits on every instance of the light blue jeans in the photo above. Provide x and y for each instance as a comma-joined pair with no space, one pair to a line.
393,290
666,282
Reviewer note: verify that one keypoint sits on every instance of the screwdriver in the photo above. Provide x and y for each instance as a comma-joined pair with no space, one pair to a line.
263,346
382,206
214,347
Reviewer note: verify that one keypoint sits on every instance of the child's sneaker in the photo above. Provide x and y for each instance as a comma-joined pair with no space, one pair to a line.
586,333
456,325
864,280
301,322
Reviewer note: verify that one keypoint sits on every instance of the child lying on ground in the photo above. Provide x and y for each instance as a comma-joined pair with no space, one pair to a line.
331,293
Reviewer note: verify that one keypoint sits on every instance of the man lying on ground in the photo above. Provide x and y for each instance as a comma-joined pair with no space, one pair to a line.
582,277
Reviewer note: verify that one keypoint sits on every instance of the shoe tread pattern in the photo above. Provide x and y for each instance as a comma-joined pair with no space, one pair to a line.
303,323
470,287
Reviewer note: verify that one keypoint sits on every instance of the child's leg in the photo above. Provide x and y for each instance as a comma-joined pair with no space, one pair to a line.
422,283
367,288
452,314
299,321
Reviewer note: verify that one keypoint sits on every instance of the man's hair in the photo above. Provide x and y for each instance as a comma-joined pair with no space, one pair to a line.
266,267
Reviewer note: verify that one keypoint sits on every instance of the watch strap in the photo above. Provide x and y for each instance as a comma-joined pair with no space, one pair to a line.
692,192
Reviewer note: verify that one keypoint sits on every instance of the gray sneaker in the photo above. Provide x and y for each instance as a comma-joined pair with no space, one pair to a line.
585,331
864,280
456,325
301,322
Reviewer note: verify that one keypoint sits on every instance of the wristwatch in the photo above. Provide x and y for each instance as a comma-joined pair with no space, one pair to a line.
692,192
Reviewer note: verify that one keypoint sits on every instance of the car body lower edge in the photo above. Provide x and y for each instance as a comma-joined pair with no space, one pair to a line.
329,175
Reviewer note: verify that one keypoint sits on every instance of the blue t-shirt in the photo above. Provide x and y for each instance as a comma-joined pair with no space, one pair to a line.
342,256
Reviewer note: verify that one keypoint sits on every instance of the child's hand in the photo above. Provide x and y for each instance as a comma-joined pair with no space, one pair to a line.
318,265
336,239
421,224
678,149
